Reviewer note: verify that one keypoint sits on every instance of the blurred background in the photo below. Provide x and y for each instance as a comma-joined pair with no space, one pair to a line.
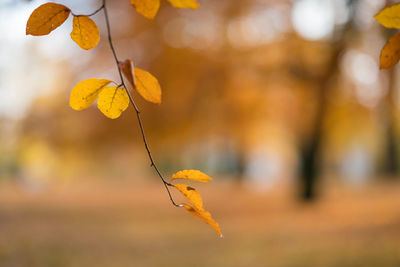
280,101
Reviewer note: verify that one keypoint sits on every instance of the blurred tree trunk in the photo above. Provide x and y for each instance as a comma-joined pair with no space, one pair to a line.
309,151
391,167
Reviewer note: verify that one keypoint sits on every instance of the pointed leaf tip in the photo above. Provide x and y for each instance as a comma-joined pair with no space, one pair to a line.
197,209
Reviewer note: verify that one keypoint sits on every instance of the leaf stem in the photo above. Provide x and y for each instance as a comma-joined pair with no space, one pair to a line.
153,164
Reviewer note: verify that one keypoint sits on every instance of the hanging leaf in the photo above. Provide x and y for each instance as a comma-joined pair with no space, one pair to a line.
192,195
147,8
194,175
147,86
85,93
46,18
184,4
390,53
197,209
113,101
389,16
205,216
127,68
85,32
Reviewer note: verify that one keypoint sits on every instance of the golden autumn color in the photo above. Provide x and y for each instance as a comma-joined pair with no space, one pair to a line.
113,101
85,32
86,92
194,175
197,209
46,18
390,53
149,8
205,216
389,16
147,86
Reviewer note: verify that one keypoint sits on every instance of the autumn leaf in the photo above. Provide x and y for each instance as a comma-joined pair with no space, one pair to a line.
205,216
85,32
46,18
113,101
390,53
194,175
389,16
147,8
184,4
147,86
197,209
85,93
127,68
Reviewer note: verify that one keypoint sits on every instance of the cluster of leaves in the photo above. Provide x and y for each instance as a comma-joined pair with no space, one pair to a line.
389,17
113,100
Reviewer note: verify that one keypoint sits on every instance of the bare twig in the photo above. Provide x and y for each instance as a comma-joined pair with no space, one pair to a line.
153,164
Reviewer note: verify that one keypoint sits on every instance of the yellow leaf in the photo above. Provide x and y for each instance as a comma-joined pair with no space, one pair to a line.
389,16
85,32
184,4
192,195
113,101
127,68
197,209
205,216
147,86
390,53
46,18
192,175
85,93
147,8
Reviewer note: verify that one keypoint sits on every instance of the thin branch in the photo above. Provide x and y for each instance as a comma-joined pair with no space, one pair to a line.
166,184
91,14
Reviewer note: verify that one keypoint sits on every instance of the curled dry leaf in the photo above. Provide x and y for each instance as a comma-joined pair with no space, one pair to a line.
390,53
389,16
147,86
197,209
127,68
147,8
194,175
85,32
184,4
113,101
86,92
46,18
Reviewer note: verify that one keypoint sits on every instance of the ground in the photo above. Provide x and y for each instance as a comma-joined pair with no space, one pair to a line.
101,223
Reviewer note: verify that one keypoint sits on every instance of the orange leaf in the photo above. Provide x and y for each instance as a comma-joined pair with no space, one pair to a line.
85,32
390,53
192,195
127,68
147,8
205,216
46,18
194,175
389,16
147,86
184,4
